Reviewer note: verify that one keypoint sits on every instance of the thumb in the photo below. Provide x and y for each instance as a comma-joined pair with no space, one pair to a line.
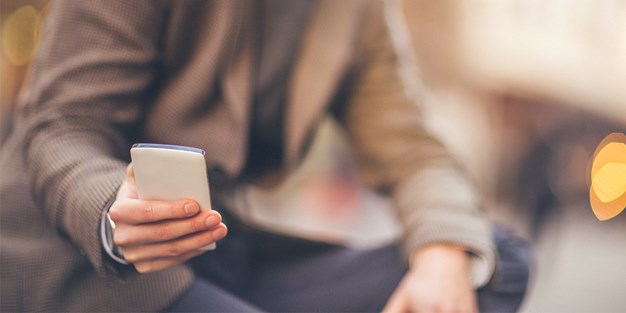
130,173
128,189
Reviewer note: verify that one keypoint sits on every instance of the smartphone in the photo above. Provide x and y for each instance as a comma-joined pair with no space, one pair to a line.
170,172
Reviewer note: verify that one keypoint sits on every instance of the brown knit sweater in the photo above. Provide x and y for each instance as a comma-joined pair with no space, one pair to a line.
110,73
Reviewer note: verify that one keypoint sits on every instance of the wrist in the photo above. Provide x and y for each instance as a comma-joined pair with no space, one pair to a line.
440,256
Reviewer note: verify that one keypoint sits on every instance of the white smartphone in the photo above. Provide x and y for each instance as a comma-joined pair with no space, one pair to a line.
169,172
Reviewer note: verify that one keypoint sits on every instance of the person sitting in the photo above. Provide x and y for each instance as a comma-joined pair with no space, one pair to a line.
247,82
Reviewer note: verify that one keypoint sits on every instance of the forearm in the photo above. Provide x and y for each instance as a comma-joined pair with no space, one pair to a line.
74,176
437,206
90,80
434,200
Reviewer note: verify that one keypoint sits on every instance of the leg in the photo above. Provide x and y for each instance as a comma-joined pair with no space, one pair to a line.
204,296
338,279
221,277
279,273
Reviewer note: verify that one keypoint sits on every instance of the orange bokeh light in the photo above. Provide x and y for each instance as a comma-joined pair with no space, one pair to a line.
607,191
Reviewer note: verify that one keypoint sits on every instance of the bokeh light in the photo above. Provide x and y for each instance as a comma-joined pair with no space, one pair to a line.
19,35
607,192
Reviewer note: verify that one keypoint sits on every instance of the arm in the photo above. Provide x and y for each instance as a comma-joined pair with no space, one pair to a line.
396,155
90,81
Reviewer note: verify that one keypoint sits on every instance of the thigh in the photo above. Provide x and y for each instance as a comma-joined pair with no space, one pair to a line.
334,279
340,279
204,296
278,273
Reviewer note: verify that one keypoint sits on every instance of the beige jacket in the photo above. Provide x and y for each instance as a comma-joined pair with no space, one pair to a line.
110,73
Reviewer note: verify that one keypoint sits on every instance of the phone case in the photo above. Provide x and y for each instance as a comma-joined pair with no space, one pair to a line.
168,172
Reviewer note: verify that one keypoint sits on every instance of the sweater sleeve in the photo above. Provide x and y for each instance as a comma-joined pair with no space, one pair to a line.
90,79
434,200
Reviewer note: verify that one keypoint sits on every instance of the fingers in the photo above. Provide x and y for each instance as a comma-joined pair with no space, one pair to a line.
174,248
155,235
129,234
135,211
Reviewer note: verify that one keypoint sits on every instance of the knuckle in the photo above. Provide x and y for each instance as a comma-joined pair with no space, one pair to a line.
148,211
164,232
174,250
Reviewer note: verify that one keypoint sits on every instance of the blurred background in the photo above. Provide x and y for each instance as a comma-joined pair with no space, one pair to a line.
521,91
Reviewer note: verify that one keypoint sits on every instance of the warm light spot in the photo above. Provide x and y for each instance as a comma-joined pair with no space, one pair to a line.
19,35
606,211
609,183
607,152
607,193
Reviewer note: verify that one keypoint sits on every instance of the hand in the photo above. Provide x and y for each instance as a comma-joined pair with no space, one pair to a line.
155,235
438,281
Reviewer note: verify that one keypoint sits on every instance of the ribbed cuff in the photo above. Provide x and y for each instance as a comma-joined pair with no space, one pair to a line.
106,235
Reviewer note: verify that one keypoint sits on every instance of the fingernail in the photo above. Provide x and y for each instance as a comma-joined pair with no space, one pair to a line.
219,233
211,220
191,208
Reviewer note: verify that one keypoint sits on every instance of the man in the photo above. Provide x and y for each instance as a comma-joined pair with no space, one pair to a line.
247,82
